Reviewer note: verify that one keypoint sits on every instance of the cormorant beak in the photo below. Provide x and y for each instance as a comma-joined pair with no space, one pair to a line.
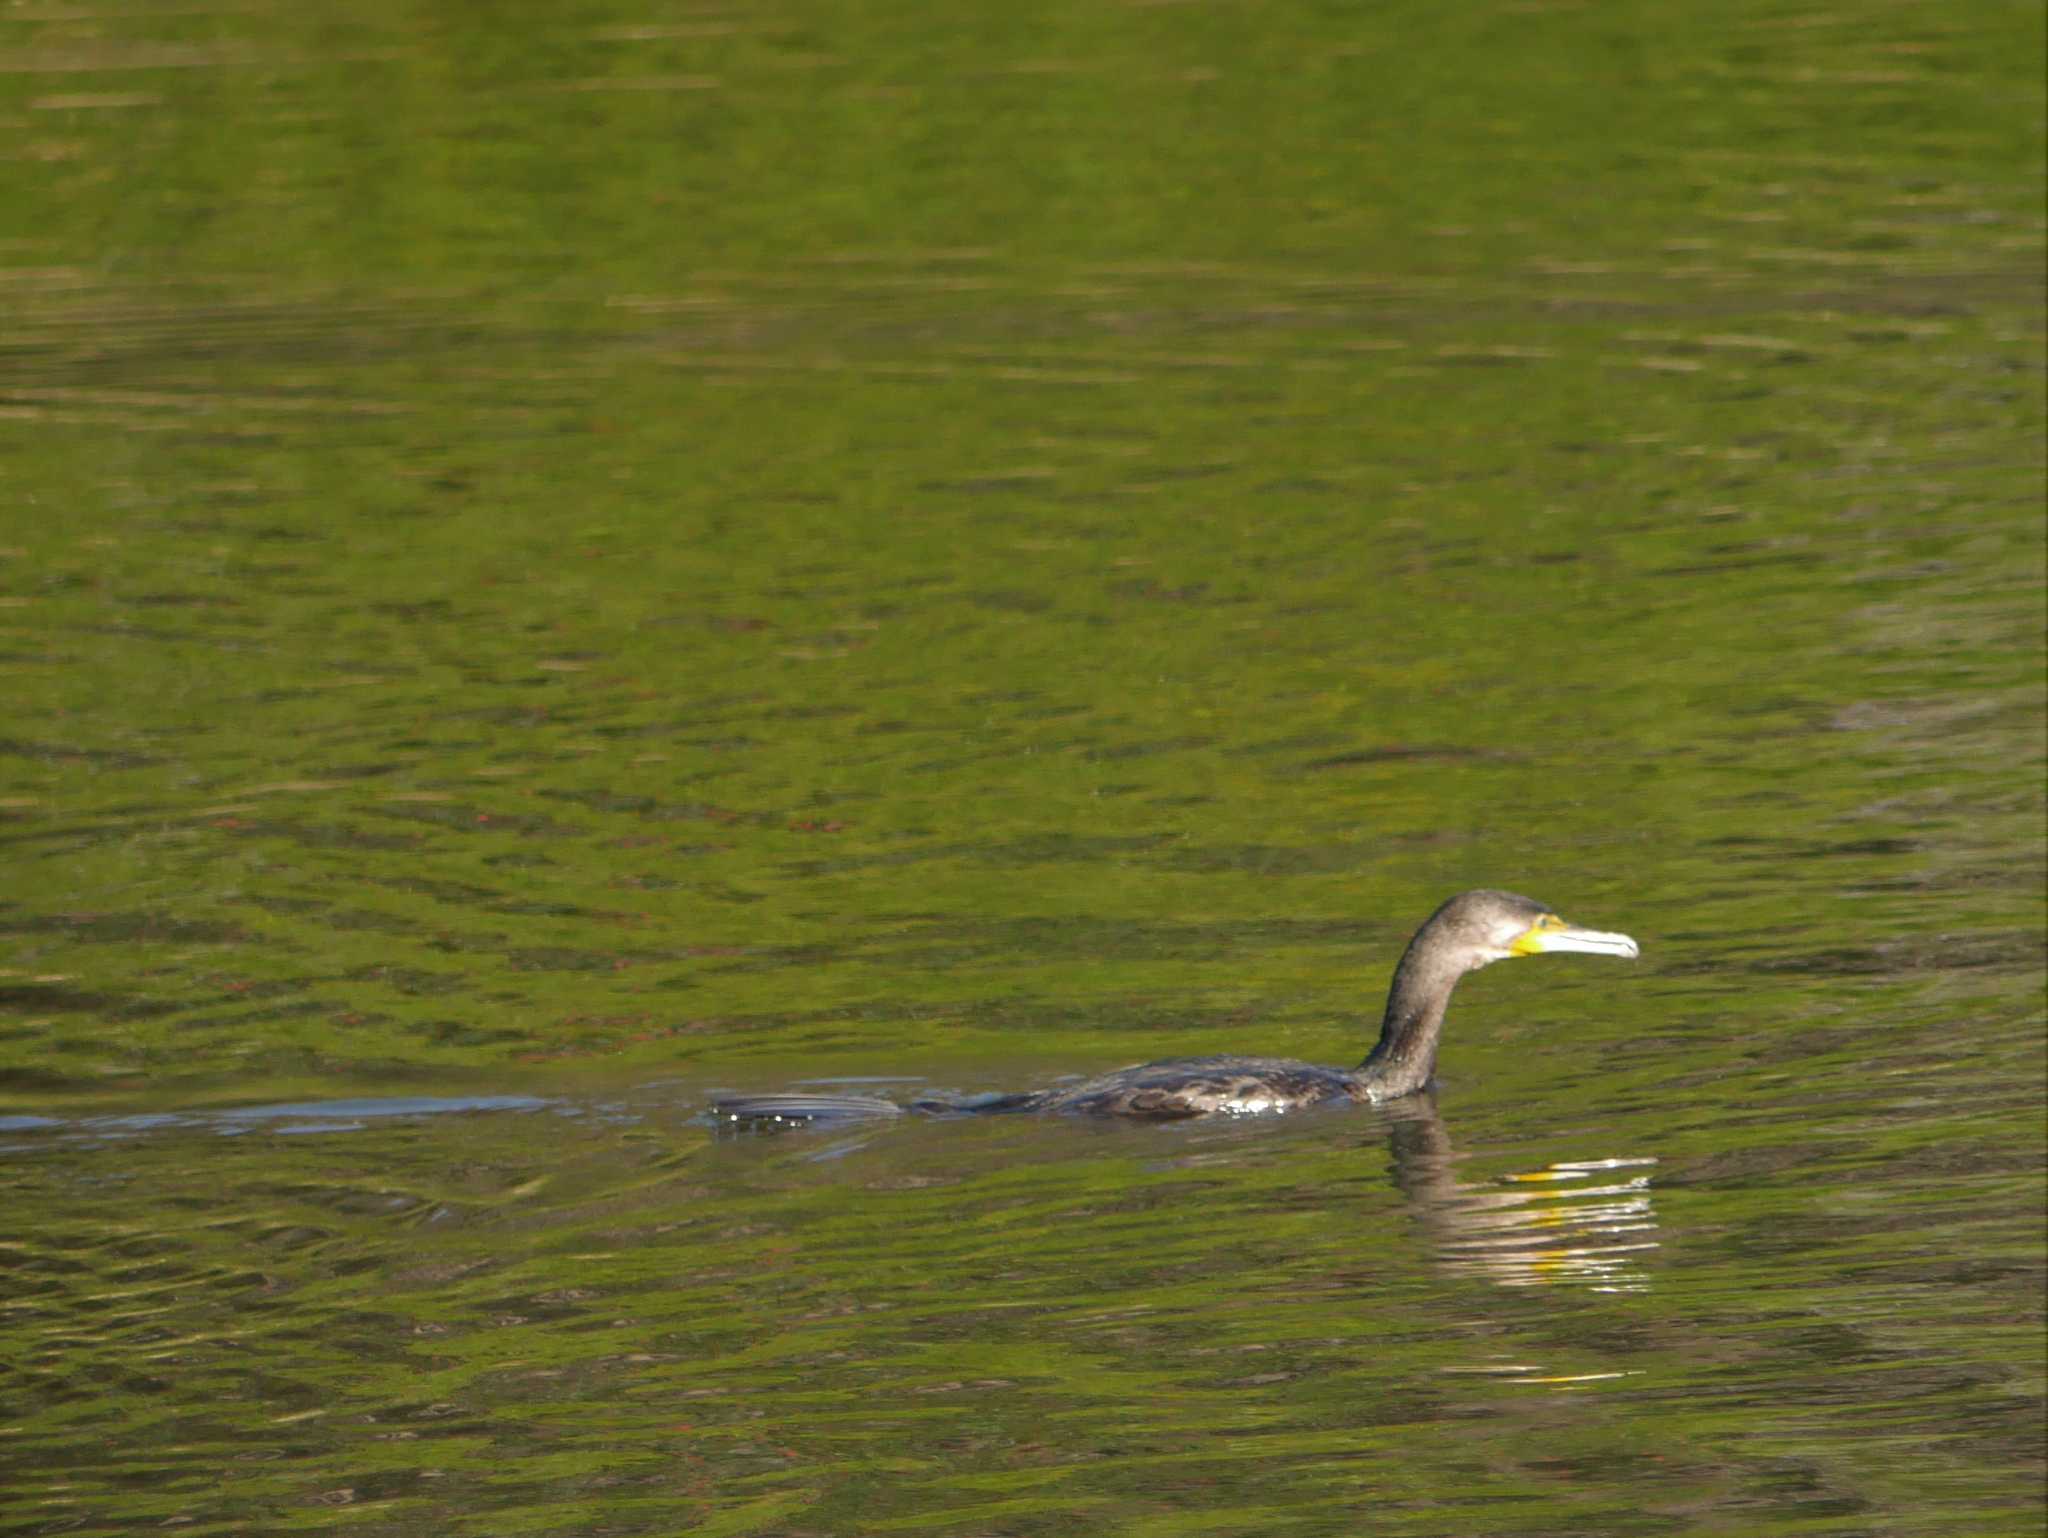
1551,933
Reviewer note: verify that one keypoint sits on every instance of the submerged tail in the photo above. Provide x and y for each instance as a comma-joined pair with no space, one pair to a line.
762,1113
767,1113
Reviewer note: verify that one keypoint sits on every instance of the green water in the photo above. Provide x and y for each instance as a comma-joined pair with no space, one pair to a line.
558,560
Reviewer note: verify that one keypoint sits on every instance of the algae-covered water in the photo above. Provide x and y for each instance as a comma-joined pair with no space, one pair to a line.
558,561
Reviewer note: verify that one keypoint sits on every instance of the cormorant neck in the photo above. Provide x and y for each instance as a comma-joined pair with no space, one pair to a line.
1405,1058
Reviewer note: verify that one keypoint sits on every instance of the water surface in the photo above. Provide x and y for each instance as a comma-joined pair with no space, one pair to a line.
555,565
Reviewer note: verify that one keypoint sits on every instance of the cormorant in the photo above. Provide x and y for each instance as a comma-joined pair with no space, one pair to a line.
1466,933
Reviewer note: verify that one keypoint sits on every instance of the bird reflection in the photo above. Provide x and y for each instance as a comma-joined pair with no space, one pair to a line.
1577,1222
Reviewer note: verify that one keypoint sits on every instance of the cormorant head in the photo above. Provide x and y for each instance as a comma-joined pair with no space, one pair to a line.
1492,926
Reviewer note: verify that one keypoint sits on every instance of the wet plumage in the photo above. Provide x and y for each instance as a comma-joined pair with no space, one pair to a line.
1470,931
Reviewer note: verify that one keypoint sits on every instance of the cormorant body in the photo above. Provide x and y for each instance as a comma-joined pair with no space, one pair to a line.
1470,931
